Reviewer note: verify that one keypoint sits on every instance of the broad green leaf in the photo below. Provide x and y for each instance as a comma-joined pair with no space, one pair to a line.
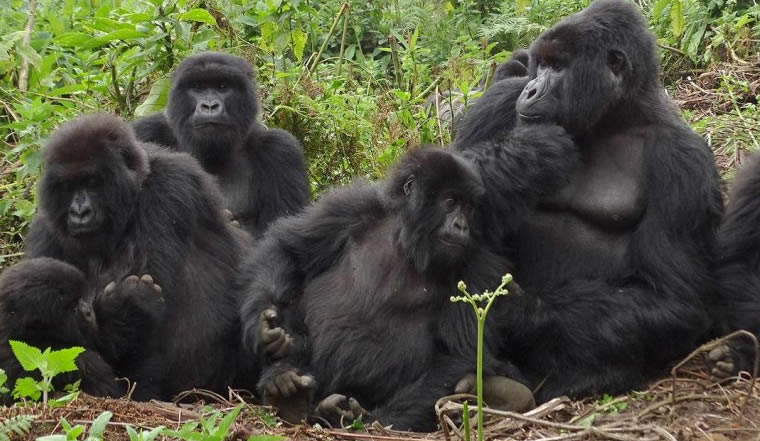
298,38
120,35
99,425
28,356
27,388
676,18
659,8
200,15
224,426
62,401
73,39
63,360
53,438
156,99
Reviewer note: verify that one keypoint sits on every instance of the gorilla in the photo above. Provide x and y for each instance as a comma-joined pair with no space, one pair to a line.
58,319
348,304
615,262
149,258
212,114
737,303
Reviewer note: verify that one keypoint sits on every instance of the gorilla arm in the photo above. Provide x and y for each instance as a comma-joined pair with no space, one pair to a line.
609,335
520,167
155,128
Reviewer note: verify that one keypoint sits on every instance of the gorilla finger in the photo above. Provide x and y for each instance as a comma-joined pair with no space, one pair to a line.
147,278
305,381
271,389
227,214
331,405
466,385
356,409
133,279
269,336
283,348
235,224
285,384
158,289
719,353
270,315
110,289
725,366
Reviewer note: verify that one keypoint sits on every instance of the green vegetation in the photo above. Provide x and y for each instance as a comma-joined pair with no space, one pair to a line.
49,364
349,80
476,300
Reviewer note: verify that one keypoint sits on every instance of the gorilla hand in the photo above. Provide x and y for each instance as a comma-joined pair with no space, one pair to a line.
500,393
722,362
516,66
289,392
275,342
340,411
231,218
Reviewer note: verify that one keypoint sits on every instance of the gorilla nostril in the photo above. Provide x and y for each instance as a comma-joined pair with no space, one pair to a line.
531,93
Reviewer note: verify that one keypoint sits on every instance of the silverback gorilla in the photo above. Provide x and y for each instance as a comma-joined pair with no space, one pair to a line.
212,113
149,259
349,301
737,304
615,263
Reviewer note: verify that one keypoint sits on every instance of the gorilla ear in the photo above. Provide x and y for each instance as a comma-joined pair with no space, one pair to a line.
409,185
617,61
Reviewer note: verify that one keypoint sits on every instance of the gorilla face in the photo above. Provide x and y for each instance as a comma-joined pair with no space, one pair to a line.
437,194
93,172
588,66
211,103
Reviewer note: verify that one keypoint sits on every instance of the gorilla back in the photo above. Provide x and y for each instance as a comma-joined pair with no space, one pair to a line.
212,113
146,229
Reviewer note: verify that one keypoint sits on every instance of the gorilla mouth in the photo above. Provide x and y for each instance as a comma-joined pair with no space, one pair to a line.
453,241
530,116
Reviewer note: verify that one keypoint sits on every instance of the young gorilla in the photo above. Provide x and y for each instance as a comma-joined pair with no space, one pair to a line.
212,113
156,256
616,261
41,305
737,305
361,281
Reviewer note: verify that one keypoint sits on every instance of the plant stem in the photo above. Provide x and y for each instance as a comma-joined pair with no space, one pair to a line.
343,38
479,375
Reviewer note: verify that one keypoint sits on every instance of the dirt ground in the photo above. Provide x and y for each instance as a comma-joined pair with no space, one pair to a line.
685,407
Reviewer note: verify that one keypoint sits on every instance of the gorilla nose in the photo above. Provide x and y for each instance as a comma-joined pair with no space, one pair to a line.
461,227
210,108
80,214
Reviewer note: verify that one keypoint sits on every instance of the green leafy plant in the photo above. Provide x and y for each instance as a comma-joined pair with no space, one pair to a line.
142,435
207,428
20,425
49,363
476,301
72,433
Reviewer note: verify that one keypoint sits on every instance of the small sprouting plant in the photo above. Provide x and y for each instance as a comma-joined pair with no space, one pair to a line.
476,301
17,426
209,430
48,362
142,435
72,433
3,379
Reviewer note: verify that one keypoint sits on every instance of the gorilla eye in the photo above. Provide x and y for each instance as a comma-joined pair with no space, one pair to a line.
93,181
616,60
450,204
222,86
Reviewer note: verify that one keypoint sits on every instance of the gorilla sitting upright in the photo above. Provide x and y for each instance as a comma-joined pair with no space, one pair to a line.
615,263
212,114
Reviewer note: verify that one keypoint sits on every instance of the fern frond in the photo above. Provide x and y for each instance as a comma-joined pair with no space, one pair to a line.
19,425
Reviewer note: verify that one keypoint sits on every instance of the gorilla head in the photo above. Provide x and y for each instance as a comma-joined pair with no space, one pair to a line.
93,171
436,194
589,65
212,104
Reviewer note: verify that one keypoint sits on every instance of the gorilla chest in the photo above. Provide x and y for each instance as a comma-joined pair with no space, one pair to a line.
584,229
372,303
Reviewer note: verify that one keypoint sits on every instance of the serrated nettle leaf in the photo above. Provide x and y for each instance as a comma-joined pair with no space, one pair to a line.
28,356
27,387
63,360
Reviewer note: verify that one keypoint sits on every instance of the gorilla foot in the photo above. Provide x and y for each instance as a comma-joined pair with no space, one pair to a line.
722,362
500,393
290,393
139,292
340,411
275,342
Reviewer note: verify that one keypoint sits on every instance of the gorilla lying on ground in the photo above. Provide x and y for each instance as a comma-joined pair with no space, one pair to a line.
212,114
352,297
154,255
737,303
615,262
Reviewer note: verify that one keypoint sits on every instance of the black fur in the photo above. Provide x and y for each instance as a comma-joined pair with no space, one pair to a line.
362,282
737,305
615,251
149,212
261,171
